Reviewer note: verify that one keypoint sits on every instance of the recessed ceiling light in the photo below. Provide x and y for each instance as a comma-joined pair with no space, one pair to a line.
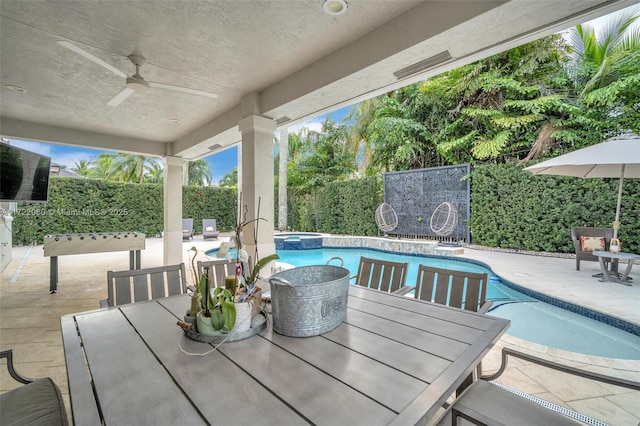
334,7
174,121
15,88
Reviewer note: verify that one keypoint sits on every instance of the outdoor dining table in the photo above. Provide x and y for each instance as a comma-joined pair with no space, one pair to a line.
394,360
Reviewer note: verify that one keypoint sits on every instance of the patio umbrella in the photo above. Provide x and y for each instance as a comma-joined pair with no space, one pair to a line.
618,157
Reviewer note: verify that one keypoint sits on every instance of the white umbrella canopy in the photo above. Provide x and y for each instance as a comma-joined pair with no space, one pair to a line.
618,157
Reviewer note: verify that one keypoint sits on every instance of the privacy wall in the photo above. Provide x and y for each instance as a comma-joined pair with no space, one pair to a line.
416,194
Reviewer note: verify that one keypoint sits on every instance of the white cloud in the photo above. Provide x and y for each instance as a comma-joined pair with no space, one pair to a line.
314,124
70,159
62,155
37,147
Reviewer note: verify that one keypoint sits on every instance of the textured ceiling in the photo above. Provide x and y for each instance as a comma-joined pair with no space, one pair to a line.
284,58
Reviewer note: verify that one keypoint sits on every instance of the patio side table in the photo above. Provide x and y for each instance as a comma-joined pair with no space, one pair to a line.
613,275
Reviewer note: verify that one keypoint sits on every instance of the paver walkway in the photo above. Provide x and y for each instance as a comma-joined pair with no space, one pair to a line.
30,320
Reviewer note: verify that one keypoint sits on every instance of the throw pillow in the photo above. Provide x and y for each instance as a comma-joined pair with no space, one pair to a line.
592,243
209,229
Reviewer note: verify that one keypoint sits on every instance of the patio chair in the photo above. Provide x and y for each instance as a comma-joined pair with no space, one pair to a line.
465,290
209,229
187,229
488,403
381,274
586,240
38,402
217,270
138,285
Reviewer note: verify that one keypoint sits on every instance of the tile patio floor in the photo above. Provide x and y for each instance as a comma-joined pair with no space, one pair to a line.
30,320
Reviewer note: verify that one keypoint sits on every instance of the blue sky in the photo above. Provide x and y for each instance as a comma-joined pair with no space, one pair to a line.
220,163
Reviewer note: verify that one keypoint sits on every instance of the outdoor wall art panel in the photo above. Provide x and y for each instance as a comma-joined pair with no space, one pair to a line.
416,194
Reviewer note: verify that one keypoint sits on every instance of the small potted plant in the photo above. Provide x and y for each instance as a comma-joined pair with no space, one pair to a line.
218,312
228,310
213,313
247,277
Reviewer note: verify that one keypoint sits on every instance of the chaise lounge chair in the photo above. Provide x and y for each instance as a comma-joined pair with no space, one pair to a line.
209,229
187,229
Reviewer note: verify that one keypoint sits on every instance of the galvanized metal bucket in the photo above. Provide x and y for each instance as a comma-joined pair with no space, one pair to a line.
309,300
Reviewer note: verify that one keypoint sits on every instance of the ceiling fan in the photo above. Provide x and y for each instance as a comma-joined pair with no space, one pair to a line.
134,83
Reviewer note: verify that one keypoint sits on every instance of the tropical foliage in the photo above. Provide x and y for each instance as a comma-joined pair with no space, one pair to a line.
230,179
317,158
137,169
539,99
606,69
199,173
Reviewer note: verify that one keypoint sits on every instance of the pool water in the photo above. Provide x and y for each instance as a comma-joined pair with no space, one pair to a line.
531,319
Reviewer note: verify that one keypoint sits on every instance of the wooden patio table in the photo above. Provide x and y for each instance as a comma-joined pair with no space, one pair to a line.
395,360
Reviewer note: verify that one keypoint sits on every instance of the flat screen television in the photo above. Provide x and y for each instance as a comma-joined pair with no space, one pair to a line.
24,175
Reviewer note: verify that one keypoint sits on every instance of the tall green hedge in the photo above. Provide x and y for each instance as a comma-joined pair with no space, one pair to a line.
92,205
345,207
511,208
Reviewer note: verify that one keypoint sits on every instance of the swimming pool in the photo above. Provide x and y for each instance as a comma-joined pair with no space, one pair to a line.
531,319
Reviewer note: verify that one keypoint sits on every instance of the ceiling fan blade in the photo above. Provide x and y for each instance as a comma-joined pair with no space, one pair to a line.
92,58
183,89
120,97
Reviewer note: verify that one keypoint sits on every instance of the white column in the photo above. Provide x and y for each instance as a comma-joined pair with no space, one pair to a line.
185,172
257,182
172,241
6,235
240,174
282,187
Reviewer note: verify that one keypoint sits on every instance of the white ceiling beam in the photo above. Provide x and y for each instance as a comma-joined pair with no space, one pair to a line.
29,131
421,23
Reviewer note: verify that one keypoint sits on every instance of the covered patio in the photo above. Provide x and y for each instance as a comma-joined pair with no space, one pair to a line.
270,65
233,73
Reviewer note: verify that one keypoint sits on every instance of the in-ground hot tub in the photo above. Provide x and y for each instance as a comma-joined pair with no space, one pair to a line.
297,241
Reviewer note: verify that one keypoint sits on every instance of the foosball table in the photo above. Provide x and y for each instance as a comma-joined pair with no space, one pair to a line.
92,242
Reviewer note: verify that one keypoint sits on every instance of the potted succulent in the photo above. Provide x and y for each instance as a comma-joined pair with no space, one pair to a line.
218,313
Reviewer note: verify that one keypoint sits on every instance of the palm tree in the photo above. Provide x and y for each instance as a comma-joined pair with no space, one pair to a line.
600,56
199,173
362,115
230,180
154,171
104,167
83,167
131,167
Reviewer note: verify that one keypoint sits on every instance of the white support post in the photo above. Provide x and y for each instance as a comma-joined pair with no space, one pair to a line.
172,241
282,187
257,182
